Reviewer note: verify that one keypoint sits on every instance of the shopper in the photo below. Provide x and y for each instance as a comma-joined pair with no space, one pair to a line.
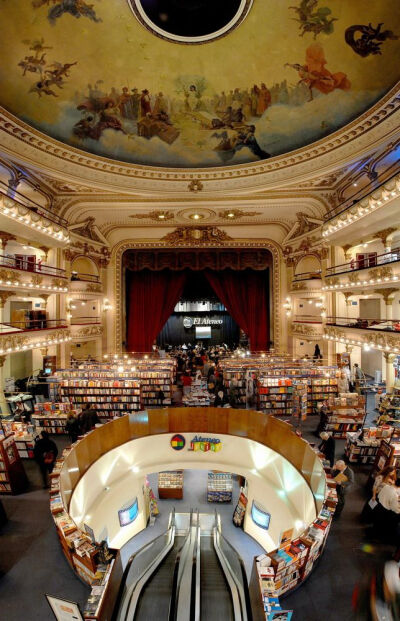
327,447
317,353
45,453
367,514
386,513
72,427
343,384
186,382
359,378
323,419
344,478
88,419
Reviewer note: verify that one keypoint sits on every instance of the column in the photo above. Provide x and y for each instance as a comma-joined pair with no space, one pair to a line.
389,359
3,403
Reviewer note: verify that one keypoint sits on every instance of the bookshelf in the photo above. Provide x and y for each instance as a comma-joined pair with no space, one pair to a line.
13,479
219,486
170,484
23,434
52,417
110,397
347,414
275,395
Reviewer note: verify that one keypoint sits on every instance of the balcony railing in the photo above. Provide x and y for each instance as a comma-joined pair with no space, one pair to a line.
367,262
307,319
85,321
357,196
25,265
27,202
30,325
81,276
386,325
307,276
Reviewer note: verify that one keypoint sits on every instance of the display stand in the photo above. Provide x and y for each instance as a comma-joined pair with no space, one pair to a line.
170,484
110,398
240,509
219,486
388,454
13,479
24,437
347,414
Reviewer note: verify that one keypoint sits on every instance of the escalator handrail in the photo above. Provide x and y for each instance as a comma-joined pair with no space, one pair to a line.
128,567
185,579
195,595
144,577
236,603
244,600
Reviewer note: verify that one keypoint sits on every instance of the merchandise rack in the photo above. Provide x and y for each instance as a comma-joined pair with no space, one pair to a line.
170,484
347,414
219,486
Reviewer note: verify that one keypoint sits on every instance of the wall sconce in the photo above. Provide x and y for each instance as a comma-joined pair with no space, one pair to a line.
106,305
288,307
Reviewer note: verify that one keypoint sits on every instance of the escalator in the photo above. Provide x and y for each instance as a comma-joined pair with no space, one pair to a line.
215,598
190,573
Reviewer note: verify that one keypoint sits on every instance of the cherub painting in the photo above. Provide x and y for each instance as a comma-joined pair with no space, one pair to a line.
76,8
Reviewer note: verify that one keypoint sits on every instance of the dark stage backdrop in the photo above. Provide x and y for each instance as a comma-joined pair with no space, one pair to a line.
174,332
151,297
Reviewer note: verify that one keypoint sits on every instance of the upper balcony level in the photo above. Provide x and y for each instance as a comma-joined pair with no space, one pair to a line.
24,273
377,210
358,323
372,272
32,334
304,281
22,216
364,263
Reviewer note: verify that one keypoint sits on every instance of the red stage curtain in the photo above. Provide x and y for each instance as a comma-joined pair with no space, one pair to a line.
151,300
245,296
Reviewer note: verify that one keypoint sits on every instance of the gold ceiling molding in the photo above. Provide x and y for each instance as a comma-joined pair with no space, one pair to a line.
268,244
158,214
232,214
196,236
23,140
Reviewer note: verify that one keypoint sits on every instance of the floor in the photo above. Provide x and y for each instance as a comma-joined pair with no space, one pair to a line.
32,564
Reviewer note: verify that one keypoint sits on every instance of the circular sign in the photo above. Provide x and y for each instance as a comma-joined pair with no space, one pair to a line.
178,442
187,322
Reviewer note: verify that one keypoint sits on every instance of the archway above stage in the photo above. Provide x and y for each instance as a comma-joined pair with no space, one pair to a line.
154,281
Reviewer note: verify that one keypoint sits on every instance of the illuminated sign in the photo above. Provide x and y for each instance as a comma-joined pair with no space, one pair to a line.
129,514
178,442
189,322
205,444
260,516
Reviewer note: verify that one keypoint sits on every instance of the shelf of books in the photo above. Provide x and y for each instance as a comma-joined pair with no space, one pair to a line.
52,417
13,479
347,414
363,448
275,395
389,409
283,569
388,454
24,435
170,484
219,486
111,397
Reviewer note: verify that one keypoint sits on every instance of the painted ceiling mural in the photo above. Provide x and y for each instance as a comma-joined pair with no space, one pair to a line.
293,71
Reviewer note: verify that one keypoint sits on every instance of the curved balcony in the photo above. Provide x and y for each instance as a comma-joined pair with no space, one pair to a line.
307,280
387,325
307,326
365,263
383,334
20,273
86,328
32,333
85,283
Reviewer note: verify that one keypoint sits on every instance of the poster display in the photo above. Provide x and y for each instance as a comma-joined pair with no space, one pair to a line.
63,609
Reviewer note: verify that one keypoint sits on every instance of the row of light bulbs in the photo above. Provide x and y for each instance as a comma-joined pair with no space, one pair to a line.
10,209
30,285
364,207
48,343
365,346
361,283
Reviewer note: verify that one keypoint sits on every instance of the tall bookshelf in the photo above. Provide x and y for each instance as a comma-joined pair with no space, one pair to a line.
347,414
13,479
110,397
219,486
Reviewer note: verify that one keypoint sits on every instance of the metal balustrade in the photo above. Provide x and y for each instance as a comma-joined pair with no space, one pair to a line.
31,325
24,265
84,321
386,325
30,204
81,276
364,263
315,274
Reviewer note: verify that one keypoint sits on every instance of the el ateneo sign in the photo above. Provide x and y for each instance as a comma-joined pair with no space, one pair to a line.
189,322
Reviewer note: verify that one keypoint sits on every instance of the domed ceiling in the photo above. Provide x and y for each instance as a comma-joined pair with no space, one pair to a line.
195,83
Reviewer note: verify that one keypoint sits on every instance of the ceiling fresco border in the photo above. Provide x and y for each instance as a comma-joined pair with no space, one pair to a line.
364,133
116,267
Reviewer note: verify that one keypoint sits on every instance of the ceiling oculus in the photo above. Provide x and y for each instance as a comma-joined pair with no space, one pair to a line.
190,21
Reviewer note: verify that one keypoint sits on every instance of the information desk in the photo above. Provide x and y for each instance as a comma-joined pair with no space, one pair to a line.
197,434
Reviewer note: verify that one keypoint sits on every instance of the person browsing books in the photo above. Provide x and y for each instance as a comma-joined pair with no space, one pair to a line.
45,453
327,447
344,477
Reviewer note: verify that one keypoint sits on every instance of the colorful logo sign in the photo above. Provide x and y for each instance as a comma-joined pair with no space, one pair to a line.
205,444
178,442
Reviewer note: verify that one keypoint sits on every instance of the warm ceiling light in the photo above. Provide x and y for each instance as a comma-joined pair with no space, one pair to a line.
196,216
231,215
161,216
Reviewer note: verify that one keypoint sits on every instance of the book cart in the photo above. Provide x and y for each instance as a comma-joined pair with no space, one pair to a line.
219,486
170,484
13,479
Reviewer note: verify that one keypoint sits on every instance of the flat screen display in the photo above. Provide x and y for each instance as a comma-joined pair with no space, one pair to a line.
260,516
203,332
129,514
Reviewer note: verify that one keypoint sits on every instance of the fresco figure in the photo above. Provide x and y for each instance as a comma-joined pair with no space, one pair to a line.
313,21
315,75
145,103
366,40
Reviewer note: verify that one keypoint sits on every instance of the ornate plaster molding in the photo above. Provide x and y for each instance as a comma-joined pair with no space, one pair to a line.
273,247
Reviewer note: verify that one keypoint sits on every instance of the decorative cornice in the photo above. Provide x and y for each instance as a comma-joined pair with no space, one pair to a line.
196,236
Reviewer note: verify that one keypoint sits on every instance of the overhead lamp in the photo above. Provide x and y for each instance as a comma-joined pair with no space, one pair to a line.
231,214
